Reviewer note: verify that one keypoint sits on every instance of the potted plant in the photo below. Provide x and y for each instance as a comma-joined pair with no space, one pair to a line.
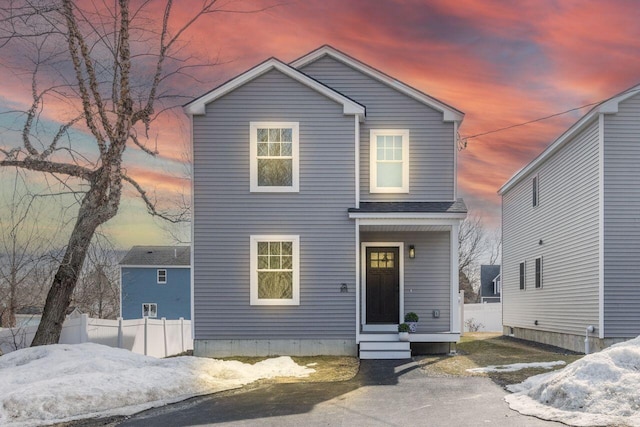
411,319
403,332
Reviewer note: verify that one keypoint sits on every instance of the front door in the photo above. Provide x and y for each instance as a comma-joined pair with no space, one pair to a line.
383,285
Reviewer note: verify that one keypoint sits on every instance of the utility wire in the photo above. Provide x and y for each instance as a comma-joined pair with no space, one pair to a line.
462,141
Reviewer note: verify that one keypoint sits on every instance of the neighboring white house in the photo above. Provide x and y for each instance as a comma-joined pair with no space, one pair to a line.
571,233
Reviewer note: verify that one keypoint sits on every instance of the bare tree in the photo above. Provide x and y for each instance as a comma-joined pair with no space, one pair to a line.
179,233
25,251
113,66
494,246
97,293
472,244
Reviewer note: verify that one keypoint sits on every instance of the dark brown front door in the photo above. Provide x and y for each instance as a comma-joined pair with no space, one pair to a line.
383,285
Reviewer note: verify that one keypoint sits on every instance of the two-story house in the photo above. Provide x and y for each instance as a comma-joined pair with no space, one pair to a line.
325,208
571,234
155,282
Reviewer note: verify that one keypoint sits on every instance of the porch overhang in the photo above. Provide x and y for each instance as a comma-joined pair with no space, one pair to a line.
409,216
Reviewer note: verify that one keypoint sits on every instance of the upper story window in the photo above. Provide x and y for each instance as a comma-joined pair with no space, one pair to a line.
274,157
535,189
523,270
389,160
275,272
162,276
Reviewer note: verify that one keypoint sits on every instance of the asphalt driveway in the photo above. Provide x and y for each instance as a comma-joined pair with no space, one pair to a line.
384,393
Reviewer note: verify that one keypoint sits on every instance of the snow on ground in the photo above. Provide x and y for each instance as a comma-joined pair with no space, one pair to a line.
55,383
599,389
517,366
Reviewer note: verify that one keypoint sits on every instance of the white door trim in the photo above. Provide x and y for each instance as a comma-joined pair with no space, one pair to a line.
363,285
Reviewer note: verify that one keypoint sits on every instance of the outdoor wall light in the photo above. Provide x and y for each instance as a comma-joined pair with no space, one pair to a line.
412,251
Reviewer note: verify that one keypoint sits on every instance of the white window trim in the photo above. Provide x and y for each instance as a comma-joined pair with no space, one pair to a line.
253,157
149,304
541,273
161,282
373,170
253,265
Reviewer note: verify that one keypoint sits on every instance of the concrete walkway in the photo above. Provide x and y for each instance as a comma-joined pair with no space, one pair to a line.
384,393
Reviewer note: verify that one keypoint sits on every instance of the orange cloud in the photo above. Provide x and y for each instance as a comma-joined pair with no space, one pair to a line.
502,63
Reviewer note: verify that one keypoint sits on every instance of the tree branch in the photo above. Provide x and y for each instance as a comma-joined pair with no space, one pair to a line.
151,207
50,167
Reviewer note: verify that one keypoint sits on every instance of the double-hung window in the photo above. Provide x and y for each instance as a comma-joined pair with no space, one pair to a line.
274,156
389,161
275,271
162,276
150,310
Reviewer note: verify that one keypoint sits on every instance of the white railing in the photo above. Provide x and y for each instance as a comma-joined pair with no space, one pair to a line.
485,317
152,337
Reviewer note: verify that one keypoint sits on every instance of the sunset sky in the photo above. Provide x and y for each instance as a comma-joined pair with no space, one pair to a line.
500,62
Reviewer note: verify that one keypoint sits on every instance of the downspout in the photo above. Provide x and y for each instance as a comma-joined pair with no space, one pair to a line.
590,329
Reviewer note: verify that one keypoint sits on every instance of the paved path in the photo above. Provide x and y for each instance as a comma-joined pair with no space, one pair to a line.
384,393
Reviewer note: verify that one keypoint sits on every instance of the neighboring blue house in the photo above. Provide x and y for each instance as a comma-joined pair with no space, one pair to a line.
155,281
325,209
490,283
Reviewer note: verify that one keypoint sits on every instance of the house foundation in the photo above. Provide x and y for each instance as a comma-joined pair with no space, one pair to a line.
264,348
567,341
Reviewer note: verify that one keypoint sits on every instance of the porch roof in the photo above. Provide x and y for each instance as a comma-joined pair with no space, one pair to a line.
445,207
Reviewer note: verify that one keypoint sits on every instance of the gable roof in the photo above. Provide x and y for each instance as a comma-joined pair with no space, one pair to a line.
197,106
450,114
608,106
158,256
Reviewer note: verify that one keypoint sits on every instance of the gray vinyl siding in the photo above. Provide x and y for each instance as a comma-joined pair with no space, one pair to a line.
622,220
432,149
226,214
427,277
566,220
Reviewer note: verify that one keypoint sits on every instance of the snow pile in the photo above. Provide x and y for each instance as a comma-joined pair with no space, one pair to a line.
599,389
48,384
517,366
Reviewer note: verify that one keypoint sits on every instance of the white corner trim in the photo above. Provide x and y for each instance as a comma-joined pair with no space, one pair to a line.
357,161
357,284
448,113
455,160
192,233
601,225
454,309
253,265
198,105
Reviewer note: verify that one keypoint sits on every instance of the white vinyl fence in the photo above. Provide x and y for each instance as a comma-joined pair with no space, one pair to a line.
485,317
152,337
